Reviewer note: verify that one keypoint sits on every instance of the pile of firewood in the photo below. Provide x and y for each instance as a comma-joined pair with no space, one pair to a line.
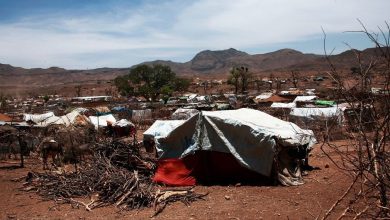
113,176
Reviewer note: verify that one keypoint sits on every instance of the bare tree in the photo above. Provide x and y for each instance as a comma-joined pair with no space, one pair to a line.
78,90
294,77
365,156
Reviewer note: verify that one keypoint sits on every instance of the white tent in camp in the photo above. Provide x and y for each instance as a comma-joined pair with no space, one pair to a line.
312,113
183,113
305,98
37,118
72,118
101,121
283,105
252,137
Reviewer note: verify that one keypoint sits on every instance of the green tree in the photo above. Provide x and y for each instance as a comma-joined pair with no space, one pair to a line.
239,78
153,81
3,101
123,86
234,79
244,75
46,98
182,84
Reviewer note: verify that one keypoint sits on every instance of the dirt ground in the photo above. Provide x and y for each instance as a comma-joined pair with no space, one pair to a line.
321,189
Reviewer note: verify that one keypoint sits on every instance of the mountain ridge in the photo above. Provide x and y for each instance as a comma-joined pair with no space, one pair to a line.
204,63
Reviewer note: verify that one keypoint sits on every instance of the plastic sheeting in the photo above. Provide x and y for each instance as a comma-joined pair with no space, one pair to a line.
123,123
101,121
325,102
283,105
304,98
37,118
161,128
184,114
251,136
263,96
138,115
311,113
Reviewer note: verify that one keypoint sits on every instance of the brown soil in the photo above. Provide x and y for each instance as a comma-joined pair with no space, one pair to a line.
322,188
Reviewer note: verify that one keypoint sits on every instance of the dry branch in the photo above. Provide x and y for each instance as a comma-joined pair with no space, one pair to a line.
117,174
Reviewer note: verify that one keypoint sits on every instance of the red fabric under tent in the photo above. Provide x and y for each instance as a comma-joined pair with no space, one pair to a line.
203,167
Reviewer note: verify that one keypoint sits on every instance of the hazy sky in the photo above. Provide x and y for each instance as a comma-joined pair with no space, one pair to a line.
117,33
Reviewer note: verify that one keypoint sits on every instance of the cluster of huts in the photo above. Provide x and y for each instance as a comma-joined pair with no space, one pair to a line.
206,138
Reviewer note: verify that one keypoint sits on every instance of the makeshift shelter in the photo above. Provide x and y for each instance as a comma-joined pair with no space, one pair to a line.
123,127
232,143
313,113
263,96
183,114
305,98
270,100
139,115
101,110
37,118
72,118
283,105
102,121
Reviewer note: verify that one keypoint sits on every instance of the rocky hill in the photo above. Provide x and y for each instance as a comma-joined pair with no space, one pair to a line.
205,63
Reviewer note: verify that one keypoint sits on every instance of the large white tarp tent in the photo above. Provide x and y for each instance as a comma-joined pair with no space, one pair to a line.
251,136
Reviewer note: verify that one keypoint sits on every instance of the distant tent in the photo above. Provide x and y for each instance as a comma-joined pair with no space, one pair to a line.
230,144
139,115
37,118
183,113
283,105
275,98
123,127
102,121
305,98
313,113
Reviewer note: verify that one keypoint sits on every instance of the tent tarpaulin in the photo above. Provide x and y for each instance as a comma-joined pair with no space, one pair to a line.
37,118
183,114
250,136
311,113
305,98
283,105
139,115
72,118
325,102
161,128
101,121
123,123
